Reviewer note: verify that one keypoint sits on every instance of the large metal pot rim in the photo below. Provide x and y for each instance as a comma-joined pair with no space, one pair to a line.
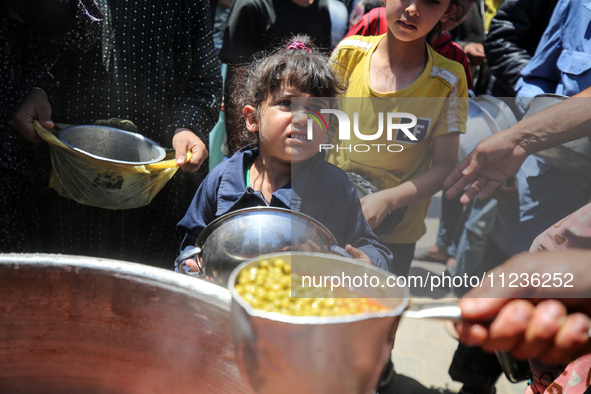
315,320
211,227
122,269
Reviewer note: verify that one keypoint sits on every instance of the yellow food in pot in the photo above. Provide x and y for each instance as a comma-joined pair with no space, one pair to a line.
268,287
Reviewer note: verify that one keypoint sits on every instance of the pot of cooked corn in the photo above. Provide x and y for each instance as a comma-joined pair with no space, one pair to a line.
299,329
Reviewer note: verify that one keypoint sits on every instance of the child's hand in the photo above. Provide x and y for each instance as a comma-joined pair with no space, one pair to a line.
358,254
192,264
375,208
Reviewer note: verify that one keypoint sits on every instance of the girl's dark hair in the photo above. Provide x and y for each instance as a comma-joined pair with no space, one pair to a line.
304,68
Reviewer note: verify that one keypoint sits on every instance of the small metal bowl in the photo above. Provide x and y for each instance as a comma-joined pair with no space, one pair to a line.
247,233
111,144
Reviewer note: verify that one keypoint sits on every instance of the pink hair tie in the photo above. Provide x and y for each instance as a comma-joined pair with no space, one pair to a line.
298,45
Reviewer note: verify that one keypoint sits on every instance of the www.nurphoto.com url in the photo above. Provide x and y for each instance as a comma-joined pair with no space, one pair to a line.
443,280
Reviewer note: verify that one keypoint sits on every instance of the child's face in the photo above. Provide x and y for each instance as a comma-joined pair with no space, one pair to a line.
283,129
411,20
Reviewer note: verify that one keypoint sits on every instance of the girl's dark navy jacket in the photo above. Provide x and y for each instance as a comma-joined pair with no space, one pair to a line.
318,189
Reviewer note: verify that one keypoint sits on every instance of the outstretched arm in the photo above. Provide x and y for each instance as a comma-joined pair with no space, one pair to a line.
498,157
377,205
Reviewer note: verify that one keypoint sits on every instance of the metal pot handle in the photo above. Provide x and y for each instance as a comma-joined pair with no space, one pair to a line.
442,311
514,371
193,252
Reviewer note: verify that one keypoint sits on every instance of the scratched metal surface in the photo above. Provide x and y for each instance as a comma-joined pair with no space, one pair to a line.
72,324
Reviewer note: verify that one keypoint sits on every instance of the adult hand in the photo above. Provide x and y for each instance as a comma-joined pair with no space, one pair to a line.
548,323
185,140
494,159
475,52
34,106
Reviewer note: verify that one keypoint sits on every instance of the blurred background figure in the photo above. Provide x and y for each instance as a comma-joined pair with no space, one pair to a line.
546,194
562,61
470,36
339,20
512,39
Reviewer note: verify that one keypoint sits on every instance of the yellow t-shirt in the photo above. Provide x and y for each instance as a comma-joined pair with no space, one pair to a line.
438,99
490,10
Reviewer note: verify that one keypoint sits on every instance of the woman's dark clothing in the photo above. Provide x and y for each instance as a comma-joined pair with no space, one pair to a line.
26,56
155,65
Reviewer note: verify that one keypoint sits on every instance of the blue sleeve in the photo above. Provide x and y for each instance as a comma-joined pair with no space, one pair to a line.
541,74
202,210
361,236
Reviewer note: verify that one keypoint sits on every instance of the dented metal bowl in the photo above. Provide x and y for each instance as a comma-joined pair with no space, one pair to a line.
247,233
112,144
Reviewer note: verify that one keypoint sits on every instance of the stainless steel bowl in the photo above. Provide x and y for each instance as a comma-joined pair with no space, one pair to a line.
244,234
111,144
73,324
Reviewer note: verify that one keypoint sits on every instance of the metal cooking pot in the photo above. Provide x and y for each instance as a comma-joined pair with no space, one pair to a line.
573,156
72,324
498,109
112,144
247,233
341,354
479,125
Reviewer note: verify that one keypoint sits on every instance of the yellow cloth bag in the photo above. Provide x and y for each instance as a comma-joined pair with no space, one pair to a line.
101,183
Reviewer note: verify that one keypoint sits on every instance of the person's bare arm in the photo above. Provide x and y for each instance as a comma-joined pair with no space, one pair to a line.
377,205
498,157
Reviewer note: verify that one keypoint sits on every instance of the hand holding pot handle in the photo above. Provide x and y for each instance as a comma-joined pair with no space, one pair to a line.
190,253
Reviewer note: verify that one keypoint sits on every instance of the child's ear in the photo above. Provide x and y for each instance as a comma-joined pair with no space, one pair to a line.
452,11
250,116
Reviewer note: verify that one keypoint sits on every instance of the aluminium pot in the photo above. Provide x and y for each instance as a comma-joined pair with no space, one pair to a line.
247,233
498,109
479,125
73,324
279,353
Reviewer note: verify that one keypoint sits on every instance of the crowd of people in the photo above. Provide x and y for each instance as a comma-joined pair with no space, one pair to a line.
170,66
